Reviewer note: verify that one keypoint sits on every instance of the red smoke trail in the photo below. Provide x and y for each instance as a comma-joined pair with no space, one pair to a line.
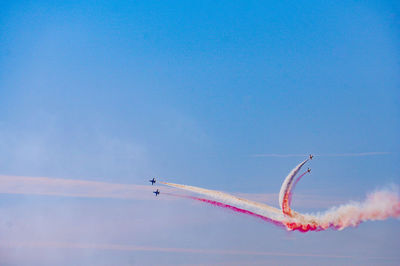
235,209
287,198
230,207
303,227
379,205
294,186
292,226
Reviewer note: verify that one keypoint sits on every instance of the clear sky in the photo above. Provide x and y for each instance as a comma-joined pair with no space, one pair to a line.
205,93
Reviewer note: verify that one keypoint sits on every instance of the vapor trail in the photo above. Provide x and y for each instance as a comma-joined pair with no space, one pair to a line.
354,154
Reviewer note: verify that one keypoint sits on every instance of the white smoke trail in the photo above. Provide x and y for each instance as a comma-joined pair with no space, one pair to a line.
259,208
287,187
256,207
353,154
379,205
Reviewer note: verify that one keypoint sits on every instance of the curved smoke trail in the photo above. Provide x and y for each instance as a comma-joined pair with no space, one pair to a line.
229,207
256,207
379,205
287,198
286,188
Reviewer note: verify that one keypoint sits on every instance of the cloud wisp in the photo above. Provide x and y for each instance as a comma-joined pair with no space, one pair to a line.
128,248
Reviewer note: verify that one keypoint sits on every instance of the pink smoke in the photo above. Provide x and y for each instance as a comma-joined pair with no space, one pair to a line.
287,198
380,205
230,207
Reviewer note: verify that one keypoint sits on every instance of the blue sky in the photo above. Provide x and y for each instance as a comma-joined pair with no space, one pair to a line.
191,92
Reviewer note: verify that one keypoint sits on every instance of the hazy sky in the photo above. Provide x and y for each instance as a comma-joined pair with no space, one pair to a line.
218,94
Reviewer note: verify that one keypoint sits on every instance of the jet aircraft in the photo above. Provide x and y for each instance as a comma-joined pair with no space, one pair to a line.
152,181
156,192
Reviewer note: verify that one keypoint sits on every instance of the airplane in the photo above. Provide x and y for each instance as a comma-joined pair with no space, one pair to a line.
311,156
156,192
152,181
308,170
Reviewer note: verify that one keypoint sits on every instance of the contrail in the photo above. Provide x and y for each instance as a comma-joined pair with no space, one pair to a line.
278,155
379,205
355,154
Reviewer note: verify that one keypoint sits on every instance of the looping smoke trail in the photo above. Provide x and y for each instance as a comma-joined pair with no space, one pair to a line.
380,205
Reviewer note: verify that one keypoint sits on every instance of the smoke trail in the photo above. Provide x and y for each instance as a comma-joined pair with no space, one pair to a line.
380,205
230,207
256,207
295,184
287,198
286,188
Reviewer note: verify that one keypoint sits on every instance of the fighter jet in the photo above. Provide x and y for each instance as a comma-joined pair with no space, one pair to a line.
308,170
152,181
156,192
311,156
